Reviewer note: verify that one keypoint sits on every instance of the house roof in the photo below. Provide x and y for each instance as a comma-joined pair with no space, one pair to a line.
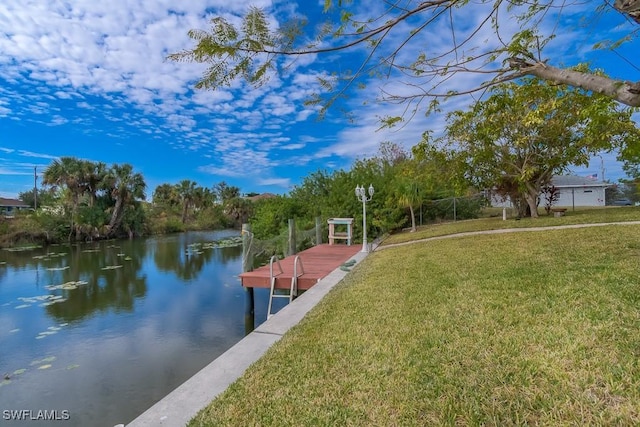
261,196
576,181
15,203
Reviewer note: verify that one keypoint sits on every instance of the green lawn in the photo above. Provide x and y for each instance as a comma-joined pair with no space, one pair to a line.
538,328
579,216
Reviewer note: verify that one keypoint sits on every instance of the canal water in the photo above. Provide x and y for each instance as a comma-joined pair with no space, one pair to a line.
94,334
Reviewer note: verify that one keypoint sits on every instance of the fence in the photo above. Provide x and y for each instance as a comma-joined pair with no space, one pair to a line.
451,208
291,241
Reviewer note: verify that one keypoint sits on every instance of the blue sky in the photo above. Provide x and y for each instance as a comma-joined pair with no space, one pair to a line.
89,79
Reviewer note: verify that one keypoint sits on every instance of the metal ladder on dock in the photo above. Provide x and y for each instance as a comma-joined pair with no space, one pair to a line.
293,290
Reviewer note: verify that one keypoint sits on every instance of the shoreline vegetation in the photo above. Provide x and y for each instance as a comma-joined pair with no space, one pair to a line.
82,200
493,329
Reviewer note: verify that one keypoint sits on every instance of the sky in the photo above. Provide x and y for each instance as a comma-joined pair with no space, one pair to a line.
90,79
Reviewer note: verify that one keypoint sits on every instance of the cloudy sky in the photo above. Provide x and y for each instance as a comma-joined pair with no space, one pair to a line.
90,79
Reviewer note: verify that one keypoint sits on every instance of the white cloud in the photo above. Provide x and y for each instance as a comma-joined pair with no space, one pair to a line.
37,155
278,182
103,56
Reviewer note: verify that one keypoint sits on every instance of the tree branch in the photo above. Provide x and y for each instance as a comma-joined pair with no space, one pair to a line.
623,91
628,7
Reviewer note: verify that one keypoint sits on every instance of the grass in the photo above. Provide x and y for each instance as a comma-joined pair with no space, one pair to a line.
579,216
539,328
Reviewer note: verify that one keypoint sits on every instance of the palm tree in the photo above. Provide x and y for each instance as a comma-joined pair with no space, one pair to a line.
124,187
203,198
187,191
238,209
408,196
92,176
65,174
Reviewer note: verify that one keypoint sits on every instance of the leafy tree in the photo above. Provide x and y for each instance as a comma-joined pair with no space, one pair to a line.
523,134
46,197
225,192
381,33
166,195
551,195
270,216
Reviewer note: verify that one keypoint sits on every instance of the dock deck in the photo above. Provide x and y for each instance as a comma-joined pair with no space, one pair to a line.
317,262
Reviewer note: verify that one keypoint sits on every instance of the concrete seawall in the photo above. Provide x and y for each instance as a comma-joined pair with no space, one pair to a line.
183,403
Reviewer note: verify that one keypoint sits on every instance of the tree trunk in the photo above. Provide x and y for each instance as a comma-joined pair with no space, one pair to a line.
623,91
115,217
185,207
532,201
413,219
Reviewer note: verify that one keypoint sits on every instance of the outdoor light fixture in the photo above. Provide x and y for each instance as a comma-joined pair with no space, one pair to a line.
362,196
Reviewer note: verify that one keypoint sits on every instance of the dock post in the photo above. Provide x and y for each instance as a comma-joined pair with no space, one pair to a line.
318,230
292,237
247,265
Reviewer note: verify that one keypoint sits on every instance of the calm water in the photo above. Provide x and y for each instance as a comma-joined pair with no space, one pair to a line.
139,319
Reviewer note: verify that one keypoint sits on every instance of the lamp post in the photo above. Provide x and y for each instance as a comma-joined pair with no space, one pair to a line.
362,196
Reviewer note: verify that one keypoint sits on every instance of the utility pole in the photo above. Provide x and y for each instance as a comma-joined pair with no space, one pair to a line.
35,187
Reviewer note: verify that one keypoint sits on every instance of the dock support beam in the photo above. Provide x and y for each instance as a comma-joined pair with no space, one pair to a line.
247,265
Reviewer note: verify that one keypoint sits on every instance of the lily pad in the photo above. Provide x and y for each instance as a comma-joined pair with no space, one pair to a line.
13,331
72,367
45,360
5,382
47,366
57,268
23,306
19,371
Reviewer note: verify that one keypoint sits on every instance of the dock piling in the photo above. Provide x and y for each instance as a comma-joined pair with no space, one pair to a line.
247,265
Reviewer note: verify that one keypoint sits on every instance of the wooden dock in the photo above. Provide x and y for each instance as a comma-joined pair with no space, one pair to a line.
317,262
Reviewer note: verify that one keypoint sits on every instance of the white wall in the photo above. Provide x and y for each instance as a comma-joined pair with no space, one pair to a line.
581,196
578,196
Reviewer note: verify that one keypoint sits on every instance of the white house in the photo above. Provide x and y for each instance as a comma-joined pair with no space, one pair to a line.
579,191
573,190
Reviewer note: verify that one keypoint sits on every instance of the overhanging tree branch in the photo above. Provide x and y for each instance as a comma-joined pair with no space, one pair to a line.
626,92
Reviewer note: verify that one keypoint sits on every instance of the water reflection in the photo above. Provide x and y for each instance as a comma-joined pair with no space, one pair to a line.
105,276
119,323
